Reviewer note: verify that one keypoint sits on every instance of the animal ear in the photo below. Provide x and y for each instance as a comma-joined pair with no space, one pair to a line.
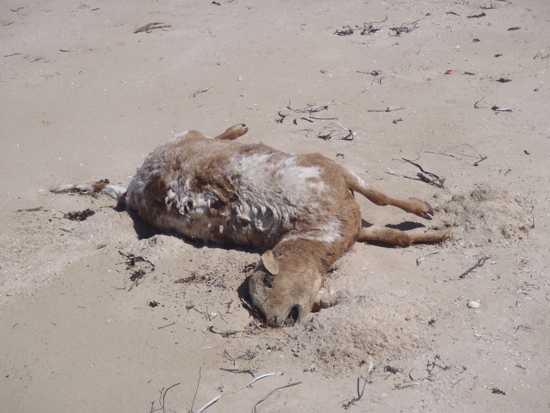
270,262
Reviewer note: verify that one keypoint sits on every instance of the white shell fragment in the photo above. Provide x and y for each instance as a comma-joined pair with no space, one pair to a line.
473,304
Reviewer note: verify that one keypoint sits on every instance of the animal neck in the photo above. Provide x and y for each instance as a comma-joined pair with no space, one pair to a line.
320,255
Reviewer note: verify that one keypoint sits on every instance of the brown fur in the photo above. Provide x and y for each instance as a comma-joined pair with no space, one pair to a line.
300,209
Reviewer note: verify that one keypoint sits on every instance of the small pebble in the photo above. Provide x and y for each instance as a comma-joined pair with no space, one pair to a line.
473,304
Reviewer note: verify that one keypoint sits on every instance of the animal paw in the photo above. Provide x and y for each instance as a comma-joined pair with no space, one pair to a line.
421,208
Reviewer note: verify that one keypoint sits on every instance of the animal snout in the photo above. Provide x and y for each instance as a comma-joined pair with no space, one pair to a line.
293,315
290,318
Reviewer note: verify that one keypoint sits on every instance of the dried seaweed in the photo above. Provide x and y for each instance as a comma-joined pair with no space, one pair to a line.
79,215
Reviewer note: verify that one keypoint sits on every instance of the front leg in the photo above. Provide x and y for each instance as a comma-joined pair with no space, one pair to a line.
233,132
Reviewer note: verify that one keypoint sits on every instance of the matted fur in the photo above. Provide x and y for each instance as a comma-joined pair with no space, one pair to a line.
300,208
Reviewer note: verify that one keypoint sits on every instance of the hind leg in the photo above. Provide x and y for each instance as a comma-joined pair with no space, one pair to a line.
233,132
400,238
411,205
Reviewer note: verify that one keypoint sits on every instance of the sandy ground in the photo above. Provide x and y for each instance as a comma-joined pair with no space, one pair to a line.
84,98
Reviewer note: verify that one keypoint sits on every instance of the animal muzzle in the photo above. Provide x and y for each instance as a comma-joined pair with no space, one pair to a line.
291,317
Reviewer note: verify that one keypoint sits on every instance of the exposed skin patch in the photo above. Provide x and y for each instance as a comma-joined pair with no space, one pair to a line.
299,208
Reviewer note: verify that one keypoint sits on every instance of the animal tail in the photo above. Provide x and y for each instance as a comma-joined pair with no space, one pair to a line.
103,187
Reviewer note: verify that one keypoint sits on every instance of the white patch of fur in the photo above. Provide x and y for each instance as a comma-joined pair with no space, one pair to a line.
327,233
274,190
178,135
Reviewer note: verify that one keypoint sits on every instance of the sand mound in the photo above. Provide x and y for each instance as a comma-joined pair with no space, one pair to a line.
487,214
381,327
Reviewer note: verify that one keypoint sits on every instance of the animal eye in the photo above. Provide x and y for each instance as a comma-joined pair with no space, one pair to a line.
268,278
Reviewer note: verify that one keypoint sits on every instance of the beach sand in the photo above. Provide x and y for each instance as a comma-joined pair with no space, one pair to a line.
455,91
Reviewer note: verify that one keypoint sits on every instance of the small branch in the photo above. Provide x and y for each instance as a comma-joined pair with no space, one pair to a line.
196,390
151,26
362,391
223,333
385,110
475,104
273,391
238,371
163,396
167,325
479,264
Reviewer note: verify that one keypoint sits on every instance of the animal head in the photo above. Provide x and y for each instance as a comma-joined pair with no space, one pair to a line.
284,288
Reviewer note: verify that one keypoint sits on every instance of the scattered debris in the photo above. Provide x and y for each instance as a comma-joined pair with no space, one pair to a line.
539,54
406,27
137,275
503,80
360,393
476,16
513,28
337,131
495,390
215,399
368,29
79,215
397,120
433,180
153,304
476,40
282,118
365,30
344,31
131,260
473,304
392,370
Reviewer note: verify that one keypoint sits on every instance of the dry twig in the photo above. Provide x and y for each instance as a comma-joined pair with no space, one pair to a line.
198,92
479,264
215,399
273,391
385,110
405,28
151,26
359,392
163,396
337,131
